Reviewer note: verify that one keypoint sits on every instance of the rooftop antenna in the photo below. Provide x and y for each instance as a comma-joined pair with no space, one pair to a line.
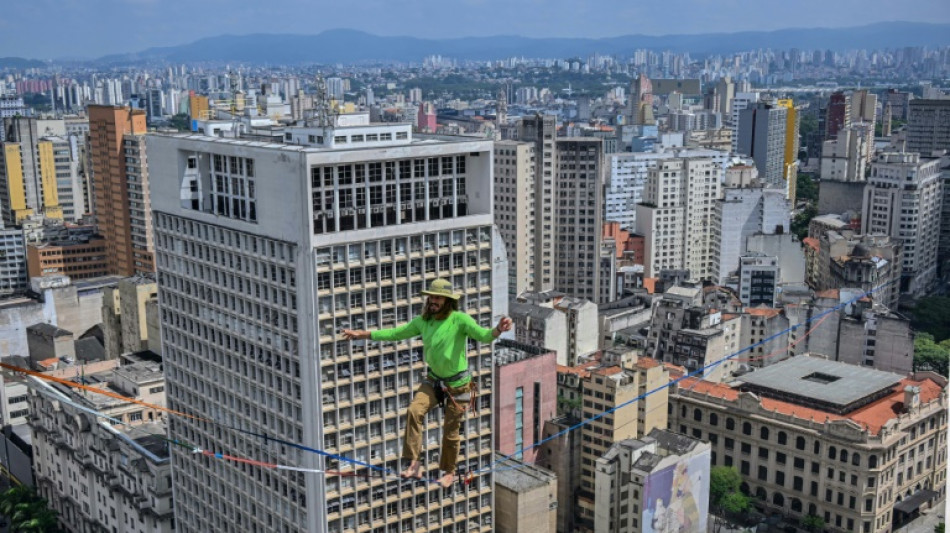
322,104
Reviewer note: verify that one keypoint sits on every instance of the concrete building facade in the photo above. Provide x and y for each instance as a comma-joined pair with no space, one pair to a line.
632,478
97,474
525,380
903,200
928,126
369,224
81,258
526,498
762,136
676,216
553,321
815,437
515,215
745,210
120,181
614,387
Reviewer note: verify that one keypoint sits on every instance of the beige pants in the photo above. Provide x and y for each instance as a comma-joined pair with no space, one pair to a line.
422,403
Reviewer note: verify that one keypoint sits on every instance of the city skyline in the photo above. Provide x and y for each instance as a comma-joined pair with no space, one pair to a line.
102,27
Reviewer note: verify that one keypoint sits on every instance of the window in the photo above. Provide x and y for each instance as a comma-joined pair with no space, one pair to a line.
519,418
764,433
799,442
746,428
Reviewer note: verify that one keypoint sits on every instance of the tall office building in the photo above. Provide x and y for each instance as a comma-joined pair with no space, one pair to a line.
846,157
610,387
265,252
120,182
578,216
27,173
640,102
790,160
676,216
903,199
928,127
762,136
740,101
745,209
837,114
863,106
542,131
515,211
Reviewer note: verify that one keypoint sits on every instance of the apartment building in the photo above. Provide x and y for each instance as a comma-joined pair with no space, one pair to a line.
104,474
610,387
860,448
676,216
525,379
553,321
903,199
928,126
659,482
121,191
578,211
515,211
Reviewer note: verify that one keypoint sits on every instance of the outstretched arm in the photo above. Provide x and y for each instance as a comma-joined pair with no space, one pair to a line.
485,335
405,331
356,334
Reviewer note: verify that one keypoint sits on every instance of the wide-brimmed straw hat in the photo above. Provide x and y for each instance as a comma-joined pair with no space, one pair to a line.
442,287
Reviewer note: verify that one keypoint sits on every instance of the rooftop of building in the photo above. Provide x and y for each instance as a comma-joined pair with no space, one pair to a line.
521,477
144,372
831,382
149,436
872,416
48,330
508,351
765,312
530,310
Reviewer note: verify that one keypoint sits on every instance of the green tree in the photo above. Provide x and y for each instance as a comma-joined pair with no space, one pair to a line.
932,315
928,355
723,480
813,523
801,220
27,512
735,503
940,528
180,122
806,188
725,496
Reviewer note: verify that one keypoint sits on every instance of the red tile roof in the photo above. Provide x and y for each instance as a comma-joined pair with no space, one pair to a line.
872,416
811,242
607,371
767,312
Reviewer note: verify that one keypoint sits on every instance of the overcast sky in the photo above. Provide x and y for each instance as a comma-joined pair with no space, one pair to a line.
46,29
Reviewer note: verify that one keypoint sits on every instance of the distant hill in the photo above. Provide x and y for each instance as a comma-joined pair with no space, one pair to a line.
19,63
350,46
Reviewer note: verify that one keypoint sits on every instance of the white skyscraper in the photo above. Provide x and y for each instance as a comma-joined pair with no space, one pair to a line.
676,216
903,199
746,208
628,175
265,252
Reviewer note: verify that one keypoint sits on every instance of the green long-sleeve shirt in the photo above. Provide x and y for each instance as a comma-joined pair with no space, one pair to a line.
443,341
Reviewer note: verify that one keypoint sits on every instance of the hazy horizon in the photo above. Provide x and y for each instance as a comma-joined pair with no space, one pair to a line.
51,29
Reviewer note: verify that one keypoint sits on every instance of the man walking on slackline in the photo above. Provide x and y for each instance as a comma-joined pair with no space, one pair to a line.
444,331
